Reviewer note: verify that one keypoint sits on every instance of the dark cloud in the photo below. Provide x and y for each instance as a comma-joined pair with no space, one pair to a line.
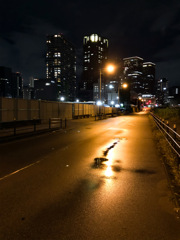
149,29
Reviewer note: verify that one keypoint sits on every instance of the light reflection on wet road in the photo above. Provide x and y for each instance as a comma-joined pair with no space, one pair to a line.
101,180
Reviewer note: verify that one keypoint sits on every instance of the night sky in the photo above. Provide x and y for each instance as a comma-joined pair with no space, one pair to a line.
149,29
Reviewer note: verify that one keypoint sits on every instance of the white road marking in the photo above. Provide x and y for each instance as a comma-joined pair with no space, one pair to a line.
21,169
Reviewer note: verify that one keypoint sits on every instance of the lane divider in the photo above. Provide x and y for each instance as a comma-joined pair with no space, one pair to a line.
21,169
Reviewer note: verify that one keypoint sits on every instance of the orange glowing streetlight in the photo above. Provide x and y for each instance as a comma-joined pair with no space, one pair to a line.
110,69
125,85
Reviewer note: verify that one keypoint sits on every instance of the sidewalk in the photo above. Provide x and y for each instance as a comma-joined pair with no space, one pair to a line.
26,131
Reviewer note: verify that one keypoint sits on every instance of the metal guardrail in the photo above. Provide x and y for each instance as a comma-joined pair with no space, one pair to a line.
14,126
57,122
17,128
172,137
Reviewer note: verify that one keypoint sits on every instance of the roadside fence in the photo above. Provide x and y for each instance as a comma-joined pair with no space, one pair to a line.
15,127
171,135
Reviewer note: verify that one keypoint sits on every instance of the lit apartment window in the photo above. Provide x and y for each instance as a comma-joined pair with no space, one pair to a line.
94,38
57,54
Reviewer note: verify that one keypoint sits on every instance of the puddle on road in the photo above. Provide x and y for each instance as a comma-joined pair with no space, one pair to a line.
110,147
105,163
144,171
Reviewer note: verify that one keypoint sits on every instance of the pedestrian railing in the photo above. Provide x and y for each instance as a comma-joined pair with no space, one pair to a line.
57,123
171,135
15,128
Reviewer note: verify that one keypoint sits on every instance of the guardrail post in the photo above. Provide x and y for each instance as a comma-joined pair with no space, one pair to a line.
167,123
14,126
163,122
34,125
14,130
175,129
49,123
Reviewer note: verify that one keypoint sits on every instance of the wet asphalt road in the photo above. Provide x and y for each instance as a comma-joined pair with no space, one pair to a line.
98,180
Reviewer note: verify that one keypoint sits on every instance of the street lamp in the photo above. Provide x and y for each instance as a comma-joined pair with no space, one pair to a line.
112,103
125,85
110,69
62,99
124,95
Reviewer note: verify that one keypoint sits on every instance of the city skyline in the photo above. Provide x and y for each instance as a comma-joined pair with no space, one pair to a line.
146,29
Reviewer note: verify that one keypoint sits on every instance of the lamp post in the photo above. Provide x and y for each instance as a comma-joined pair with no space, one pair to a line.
62,99
124,95
110,68
100,84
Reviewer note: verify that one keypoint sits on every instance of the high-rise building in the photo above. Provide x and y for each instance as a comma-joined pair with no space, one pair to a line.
149,83
133,74
5,82
44,89
95,50
17,85
61,67
140,75
162,91
11,84
174,96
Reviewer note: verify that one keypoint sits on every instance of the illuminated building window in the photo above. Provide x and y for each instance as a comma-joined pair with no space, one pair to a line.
57,54
94,38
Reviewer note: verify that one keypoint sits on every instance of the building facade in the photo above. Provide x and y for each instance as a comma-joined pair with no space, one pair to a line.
149,83
140,77
61,67
174,96
11,84
95,55
44,89
133,73
162,91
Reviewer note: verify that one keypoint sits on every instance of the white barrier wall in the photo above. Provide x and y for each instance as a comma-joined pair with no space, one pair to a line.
6,109
21,109
65,110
